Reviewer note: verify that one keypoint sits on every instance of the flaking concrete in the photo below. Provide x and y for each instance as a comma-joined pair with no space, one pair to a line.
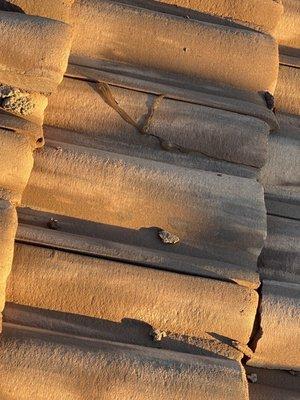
241,57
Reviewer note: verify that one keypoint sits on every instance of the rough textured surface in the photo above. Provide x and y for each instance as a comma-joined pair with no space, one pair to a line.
283,204
219,217
139,290
15,165
71,368
240,57
281,172
279,345
34,53
260,14
113,291
41,67
151,151
274,385
78,106
177,87
287,92
280,257
287,31
8,227
54,9
138,247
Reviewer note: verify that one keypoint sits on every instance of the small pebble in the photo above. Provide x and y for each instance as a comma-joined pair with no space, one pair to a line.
252,378
157,335
292,372
168,237
166,145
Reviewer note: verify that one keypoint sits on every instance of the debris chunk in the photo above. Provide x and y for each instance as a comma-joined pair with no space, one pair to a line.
53,223
168,237
292,372
157,335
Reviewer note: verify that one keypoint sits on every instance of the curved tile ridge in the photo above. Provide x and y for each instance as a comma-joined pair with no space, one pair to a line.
215,216
113,291
28,76
68,367
120,32
189,128
260,14
84,237
278,346
126,331
152,150
34,53
42,66
176,87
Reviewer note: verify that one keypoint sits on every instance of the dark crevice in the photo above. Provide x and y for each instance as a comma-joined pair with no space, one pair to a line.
283,216
257,331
